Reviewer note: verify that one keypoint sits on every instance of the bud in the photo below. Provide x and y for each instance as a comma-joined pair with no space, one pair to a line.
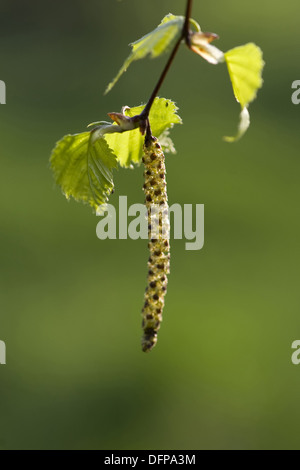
200,43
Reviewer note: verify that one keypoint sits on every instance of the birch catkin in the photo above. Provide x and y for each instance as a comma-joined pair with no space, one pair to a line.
155,189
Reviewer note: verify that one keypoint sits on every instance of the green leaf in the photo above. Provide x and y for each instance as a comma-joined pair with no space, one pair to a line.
166,142
245,65
159,41
129,146
82,167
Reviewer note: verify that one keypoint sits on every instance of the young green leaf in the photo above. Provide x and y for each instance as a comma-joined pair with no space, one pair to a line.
82,167
245,65
159,41
128,146
166,142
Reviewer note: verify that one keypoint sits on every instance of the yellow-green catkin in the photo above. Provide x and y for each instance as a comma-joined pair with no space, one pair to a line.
155,189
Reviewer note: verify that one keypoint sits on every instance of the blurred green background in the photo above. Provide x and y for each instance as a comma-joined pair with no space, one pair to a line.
221,376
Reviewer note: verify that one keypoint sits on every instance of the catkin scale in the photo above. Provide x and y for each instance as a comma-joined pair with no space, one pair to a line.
155,190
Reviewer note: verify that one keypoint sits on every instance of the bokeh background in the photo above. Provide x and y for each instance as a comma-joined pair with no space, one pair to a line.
221,376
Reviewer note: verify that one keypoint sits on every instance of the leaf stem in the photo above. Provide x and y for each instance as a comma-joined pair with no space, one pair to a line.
185,34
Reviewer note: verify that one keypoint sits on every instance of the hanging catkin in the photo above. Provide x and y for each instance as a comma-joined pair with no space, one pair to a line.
155,189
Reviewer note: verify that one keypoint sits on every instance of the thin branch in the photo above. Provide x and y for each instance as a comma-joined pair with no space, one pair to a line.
145,112
186,26
185,34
